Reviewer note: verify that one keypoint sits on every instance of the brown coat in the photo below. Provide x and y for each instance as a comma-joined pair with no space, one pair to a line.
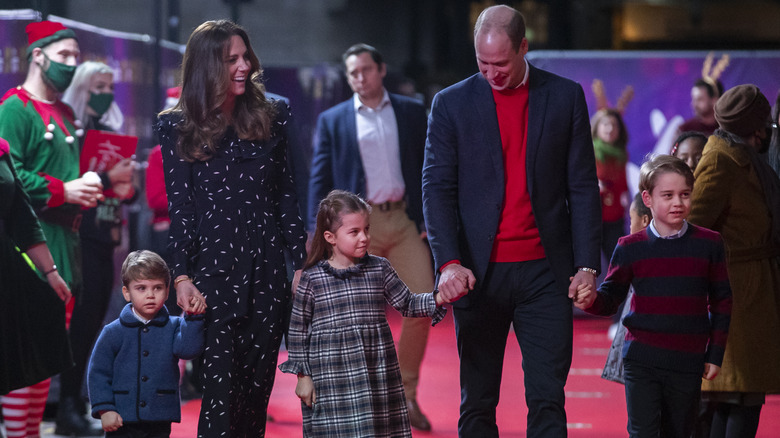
728,198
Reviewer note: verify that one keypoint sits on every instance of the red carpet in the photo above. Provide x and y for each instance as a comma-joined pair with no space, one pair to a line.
595,407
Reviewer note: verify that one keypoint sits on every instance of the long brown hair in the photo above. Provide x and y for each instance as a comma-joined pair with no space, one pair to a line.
205,78
331,210
622,139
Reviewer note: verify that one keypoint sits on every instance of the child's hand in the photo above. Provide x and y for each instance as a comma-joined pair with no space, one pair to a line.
198,305
584,296
111,421
305,390
710,371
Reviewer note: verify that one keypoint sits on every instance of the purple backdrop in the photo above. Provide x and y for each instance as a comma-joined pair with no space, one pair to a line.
662,84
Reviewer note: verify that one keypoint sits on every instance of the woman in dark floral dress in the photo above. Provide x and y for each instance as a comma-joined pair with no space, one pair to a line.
234,214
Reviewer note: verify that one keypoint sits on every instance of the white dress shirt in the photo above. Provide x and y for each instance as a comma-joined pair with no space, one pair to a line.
377,135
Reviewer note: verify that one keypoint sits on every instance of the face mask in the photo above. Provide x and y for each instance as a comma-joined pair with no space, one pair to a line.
59,75
100,102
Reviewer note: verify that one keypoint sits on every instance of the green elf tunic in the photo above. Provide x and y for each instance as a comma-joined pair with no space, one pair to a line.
45,152
34,344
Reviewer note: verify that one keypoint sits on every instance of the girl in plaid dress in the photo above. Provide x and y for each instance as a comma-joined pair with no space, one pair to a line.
340,344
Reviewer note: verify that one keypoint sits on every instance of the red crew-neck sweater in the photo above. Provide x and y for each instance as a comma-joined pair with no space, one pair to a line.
517,238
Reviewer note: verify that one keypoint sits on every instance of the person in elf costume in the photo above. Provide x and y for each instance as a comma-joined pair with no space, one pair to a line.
44,138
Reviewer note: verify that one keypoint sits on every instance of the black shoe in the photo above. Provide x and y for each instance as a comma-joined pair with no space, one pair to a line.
70,422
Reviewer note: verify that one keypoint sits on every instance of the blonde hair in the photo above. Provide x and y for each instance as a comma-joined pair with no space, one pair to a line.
77,94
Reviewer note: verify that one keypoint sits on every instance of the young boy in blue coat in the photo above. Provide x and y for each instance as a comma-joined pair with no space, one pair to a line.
133,373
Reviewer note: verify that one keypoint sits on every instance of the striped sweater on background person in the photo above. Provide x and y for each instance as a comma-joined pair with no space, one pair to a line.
681,309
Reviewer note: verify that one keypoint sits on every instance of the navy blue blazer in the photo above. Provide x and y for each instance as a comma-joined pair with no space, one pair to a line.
463,175
336,162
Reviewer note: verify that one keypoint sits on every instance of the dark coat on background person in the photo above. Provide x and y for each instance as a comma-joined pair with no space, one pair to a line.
336,163
33,341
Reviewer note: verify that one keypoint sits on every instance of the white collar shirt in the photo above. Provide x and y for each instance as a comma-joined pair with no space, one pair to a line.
377,136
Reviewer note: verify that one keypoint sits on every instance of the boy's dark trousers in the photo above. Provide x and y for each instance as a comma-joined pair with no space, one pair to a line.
661,401
147,429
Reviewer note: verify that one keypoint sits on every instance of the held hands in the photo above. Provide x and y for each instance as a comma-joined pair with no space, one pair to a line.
198,305
582,289
83,191
710,371
455,282
305,390
188,297
111,421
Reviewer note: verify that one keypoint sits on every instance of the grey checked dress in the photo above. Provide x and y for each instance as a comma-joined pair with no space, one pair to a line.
232,219
339,335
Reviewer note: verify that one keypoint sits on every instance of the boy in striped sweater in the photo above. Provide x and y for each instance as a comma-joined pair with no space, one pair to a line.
679,315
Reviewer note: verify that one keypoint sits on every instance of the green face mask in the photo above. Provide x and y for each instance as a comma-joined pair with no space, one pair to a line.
59,75
100,102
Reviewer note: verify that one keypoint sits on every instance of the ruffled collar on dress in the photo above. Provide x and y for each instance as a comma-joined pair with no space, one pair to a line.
346,272
241,150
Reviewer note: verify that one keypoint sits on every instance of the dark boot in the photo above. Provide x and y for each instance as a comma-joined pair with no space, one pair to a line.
70,422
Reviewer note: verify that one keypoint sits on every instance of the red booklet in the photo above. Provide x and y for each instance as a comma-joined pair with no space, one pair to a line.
103,149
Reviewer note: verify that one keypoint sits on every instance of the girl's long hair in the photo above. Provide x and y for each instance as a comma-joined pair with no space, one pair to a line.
331,210
205,82
77,95
622,139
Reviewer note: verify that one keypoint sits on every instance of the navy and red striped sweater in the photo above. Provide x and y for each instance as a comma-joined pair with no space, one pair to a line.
681,309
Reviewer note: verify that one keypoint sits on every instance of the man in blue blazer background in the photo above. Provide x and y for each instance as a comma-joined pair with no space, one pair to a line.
512,209
373,145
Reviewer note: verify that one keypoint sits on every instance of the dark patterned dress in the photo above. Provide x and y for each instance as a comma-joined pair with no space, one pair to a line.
339,335
33,342
233,217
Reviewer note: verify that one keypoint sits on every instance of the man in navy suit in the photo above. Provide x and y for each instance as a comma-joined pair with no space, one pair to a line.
373,145
512,210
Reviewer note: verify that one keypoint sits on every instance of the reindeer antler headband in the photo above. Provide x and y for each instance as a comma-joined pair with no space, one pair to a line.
601,96
711,76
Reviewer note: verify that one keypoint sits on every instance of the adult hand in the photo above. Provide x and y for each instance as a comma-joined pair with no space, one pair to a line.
305,390
188,296
122,172
111,421
455,281
82,192
58,284
584,296
585,279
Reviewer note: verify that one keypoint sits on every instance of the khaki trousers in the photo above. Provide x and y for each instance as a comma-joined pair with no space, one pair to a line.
395,237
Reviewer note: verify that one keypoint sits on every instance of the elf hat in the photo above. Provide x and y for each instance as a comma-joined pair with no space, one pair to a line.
43,33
